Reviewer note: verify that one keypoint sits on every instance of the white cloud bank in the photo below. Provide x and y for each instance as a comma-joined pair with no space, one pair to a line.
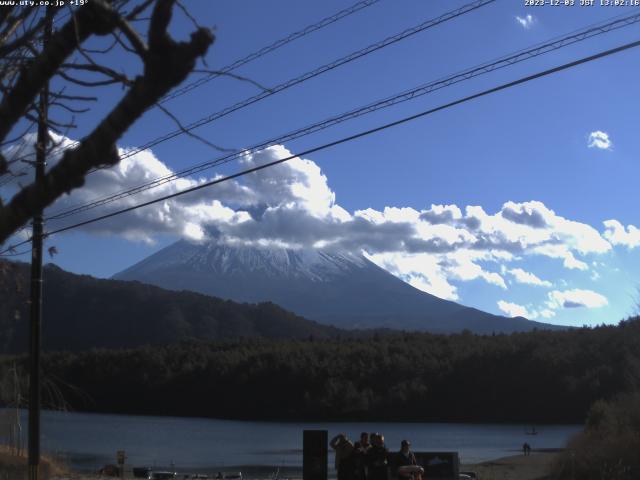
600,140
556,300
618,234
292,205
576,298
527,278
526,22
515,310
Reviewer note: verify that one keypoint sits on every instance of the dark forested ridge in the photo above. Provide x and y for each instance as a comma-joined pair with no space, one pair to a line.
83,312
266,363
534,377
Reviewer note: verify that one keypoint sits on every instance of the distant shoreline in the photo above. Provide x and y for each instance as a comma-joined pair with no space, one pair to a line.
514,467
216,451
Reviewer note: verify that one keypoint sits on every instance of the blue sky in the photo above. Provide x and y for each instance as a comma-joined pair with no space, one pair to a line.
563,150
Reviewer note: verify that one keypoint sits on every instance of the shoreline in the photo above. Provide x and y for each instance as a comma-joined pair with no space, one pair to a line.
535,466
513,467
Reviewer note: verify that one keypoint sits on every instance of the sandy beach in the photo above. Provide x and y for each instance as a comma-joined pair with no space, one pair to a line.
516,467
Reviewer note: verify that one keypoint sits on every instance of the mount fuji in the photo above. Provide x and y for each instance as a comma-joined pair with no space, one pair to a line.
332,287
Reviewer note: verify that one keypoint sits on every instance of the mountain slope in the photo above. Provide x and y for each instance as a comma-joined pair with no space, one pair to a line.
336,288
82,312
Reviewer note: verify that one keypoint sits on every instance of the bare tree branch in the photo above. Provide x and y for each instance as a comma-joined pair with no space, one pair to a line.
188,14
22,40
138,10
68,108
188,132
76,98
234,76
166,65
13,23
56,126
91,83
95,17
19,135
136,42
107,49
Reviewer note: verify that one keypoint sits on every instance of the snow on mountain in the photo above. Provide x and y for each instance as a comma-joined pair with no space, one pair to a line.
310,264
334,287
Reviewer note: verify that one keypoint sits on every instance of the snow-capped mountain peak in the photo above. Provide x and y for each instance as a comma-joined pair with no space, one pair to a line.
336,287
269,261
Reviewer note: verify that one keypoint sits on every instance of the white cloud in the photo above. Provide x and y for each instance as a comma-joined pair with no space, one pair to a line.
544,224
423,271
462,266
516,310
513,309
187,216
618,234
600,140
569,261
576,298
546,313
528,278
527,21
293,205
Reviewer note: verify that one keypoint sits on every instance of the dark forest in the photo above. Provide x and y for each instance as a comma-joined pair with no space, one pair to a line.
534,377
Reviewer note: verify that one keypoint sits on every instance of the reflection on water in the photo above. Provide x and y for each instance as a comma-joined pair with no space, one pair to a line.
89,441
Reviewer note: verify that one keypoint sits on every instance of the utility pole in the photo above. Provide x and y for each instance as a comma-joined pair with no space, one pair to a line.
36,279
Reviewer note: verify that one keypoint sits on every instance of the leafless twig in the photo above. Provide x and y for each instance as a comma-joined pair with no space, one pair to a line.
188,132
235,76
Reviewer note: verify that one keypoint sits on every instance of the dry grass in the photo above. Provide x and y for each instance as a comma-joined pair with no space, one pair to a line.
14,467
608,447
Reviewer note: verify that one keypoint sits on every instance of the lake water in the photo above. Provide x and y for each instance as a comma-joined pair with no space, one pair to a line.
89,441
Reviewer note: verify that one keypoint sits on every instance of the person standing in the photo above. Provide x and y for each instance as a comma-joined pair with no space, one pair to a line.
361,448
378,459
344,456
405,455
405,463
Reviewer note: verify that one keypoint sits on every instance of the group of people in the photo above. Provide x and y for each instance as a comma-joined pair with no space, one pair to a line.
369,459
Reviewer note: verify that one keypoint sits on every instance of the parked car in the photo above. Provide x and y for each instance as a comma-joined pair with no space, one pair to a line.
468,476
162,475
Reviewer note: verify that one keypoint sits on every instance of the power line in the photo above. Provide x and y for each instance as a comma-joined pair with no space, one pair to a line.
305,76
316,72
511,59
7,177
270,48
356,7
11,249
16,254
10,176
350,138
